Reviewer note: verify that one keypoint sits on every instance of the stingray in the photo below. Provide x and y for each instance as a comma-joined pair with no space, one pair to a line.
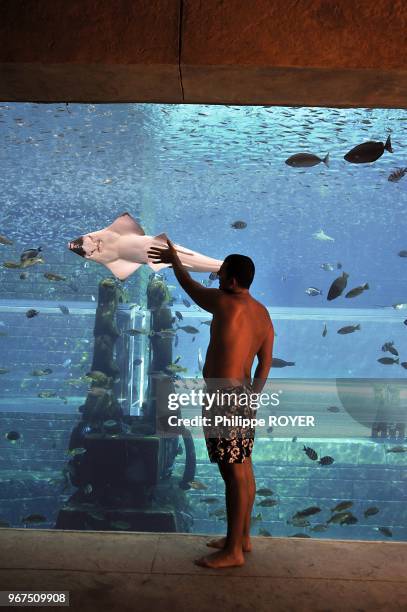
122,247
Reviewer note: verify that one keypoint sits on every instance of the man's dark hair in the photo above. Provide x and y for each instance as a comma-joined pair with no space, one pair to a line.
241,268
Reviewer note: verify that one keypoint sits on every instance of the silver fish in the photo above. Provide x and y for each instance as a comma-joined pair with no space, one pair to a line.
200,360
313,291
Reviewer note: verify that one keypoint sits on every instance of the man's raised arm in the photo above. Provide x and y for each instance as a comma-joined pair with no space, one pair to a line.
208,299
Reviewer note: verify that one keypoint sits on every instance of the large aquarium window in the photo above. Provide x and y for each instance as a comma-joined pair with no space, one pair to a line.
87,362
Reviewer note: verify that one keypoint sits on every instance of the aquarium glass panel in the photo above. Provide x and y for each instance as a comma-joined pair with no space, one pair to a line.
89,361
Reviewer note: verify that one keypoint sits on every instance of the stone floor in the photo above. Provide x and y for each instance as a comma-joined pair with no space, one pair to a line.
145,571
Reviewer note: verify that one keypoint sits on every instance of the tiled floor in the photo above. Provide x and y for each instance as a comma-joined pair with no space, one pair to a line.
138,571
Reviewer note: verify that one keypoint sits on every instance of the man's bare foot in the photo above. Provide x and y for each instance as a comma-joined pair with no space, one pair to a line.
221,559
220,543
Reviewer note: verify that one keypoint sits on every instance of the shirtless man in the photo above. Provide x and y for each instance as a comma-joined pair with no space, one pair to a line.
241,328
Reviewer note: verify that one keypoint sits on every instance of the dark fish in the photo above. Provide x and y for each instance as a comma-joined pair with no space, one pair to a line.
34,518
136,332
178,315
24,275
209,322
351,519
265,533
196,484
189,329
186,303
264,492
371,511
137,362
294,439
4,371
405,321
47,394
32,313
124,525
219,513
334,409
368,152
73,286
268,503
30,254
320,527
209,500
54,277
402,253
238,225
41,372
4,240
404,364
342,506
387,360
339,518
307,512
64,309
327,460
12,436
389,346
324,331
310,453
357,291
300,535
256,519
397,449
280,363
298,522
337,286
385,531
396,175
348,329
11,265
306,160
213,276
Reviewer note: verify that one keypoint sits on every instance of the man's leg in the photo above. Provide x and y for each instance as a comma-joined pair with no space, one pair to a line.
251,487
237,500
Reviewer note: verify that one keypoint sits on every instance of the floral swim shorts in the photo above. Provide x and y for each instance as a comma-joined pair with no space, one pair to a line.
230,441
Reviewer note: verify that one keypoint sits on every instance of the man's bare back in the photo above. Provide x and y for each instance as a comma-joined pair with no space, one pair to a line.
239,329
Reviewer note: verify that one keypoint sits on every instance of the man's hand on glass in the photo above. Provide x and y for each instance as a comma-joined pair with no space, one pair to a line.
163,255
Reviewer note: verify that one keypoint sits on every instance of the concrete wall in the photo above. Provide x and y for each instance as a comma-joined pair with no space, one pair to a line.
289,52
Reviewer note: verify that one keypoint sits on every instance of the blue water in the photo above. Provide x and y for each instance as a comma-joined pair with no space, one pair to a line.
192,171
